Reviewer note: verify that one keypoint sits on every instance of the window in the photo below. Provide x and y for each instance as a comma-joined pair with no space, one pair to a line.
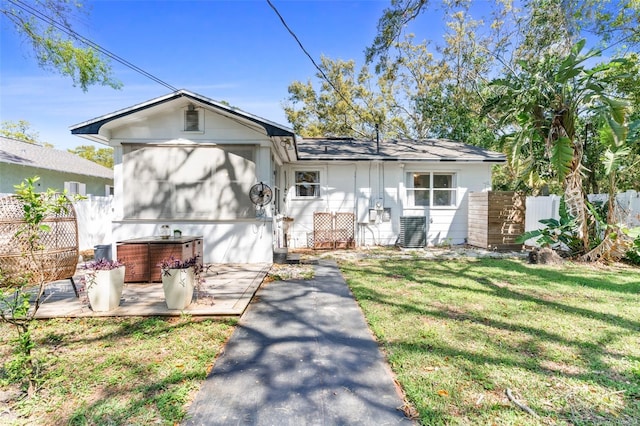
421,189
307,184
192,119
444,193
108,190
75,188
429,189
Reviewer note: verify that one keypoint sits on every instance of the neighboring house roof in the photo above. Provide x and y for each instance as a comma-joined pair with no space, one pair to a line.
92,127
349,149
13,151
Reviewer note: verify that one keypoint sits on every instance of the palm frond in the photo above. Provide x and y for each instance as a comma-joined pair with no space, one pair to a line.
613,247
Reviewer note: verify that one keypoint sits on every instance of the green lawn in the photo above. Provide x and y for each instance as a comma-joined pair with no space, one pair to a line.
458,333
113,371
565,340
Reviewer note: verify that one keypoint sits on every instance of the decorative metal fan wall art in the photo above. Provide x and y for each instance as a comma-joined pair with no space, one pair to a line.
260,194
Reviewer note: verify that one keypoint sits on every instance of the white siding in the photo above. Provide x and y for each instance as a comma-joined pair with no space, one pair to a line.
166,123
359,186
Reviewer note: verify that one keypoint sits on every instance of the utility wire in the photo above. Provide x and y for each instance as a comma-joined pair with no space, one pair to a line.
324,76
32,11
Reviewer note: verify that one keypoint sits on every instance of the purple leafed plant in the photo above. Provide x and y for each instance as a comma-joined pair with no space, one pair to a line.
176,263
103,264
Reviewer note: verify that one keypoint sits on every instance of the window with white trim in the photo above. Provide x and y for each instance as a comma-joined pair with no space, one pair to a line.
193,119
307,183
75,188
431,189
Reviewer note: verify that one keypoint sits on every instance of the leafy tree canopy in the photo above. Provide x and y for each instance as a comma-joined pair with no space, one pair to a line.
46,26
21,130
102,156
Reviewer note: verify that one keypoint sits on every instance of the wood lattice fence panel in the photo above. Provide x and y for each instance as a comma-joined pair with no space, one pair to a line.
322,230
344,230
58,256
333,230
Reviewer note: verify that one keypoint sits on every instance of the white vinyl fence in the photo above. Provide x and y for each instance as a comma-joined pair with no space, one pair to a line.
94,221
547,208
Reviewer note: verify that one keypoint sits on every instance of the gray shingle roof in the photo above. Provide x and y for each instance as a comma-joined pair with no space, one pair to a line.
394,150
22,153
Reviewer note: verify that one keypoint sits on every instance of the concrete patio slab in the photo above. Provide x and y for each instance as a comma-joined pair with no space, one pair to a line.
227,292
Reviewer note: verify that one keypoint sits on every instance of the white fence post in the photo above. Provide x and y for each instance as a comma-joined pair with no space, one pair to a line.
94,221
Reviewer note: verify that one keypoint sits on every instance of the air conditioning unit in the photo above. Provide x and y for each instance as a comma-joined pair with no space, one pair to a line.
413,231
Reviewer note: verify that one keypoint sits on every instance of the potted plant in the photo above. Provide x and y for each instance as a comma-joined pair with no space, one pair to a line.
104,282
179,278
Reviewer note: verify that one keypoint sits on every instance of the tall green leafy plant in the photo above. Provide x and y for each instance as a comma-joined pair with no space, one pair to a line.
20,296
617,138
540,105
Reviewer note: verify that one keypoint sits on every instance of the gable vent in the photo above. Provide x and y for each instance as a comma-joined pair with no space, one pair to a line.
413,231
191,119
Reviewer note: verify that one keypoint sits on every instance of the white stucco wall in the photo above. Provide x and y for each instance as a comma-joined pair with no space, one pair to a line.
245,238
358,186
248,241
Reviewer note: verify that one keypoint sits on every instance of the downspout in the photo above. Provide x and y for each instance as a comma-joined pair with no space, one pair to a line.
356,196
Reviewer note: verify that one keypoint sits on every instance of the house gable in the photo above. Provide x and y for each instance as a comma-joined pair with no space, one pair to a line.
99,129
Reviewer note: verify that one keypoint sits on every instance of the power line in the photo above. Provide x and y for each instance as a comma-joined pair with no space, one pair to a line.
324,76
71,33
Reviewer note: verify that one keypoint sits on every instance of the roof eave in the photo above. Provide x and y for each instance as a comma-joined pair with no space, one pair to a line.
92,127
406,160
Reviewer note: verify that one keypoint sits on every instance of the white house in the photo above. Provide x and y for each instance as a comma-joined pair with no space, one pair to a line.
389,186
189,162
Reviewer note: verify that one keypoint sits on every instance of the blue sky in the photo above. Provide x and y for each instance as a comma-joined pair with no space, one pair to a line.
236,51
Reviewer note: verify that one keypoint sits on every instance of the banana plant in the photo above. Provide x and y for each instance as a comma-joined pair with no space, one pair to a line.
618,137
539,108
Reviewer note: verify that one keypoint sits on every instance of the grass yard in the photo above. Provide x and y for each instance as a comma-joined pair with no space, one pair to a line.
113,371
458,333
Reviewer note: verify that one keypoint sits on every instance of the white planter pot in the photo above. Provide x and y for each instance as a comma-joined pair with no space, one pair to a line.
178,287
104,288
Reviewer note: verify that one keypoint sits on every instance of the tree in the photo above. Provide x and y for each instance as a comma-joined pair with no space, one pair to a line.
497,43
46,25
102,156
345,105
21,130
540,106
18,306
548,24
415,97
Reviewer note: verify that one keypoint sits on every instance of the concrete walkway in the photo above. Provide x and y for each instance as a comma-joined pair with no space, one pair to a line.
302,355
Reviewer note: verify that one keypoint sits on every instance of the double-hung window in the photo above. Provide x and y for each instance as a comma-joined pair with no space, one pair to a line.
307,183
431,189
